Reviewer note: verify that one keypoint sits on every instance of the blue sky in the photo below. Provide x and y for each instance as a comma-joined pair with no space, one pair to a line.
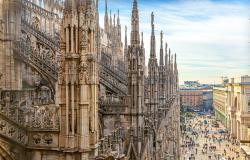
210,37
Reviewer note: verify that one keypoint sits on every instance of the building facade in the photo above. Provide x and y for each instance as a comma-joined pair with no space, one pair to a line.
220,103
238,107
231,104
191,98
70,91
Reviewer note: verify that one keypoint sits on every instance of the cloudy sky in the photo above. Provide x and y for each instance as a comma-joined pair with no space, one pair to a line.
211,37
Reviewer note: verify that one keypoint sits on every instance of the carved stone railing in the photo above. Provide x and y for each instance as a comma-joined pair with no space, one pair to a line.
112,77
53,42
106,62
12,131
113,80
39,10
46,62
111,105
30,109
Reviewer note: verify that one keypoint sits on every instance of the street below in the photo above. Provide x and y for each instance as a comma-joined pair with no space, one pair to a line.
204,138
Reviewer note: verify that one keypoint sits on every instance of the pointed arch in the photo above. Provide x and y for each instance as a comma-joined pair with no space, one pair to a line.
131,154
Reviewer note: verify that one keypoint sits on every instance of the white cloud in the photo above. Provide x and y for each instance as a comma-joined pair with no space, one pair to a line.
210,38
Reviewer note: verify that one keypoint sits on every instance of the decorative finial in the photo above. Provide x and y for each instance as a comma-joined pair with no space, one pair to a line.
161,39
106,6
142,42
126,39
135,4
152,18
118,17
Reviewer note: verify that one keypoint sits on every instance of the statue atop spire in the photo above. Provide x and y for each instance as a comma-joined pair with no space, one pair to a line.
110,19
161,50
166,55
175,63
135,36
106,18
106,7
135,4
152,51
126,37
142,42
152,23
169,59
118,17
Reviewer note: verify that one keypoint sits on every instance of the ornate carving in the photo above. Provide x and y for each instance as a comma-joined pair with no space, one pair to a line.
32,109
84,41
84,71
36,138
47,138
1,29
61,72
13,132
41,139
42,58
2,125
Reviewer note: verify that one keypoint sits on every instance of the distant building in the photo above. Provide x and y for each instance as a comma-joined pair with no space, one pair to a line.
207,99
196,98
232,107
192,83
219,103
191,98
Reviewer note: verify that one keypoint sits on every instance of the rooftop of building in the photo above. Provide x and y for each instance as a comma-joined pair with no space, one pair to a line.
243,80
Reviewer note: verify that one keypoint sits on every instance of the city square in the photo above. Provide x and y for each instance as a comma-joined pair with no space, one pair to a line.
210,143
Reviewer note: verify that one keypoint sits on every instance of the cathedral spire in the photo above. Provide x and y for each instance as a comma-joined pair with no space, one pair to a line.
125,55
142,42
110,19
106,6
161,50
172,63
118,17
169,59
114,20
175,63
126,38
135,36
152,51
166,55
106,18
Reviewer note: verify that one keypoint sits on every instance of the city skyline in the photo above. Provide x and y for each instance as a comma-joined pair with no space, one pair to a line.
223,49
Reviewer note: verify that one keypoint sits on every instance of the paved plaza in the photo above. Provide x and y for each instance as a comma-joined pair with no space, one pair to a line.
203,140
